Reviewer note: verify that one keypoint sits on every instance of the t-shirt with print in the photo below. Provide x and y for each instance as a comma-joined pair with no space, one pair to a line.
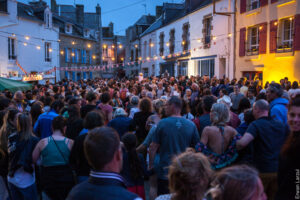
174,135
269,135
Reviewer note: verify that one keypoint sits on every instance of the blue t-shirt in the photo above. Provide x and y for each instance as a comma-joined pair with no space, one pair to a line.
269,135
174,135
122,125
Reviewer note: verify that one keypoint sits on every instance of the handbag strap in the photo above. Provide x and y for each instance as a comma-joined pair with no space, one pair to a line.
62,155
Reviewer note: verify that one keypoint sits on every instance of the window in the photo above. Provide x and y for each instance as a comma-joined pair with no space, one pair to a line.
105,51
253,40
48,51
285,35
145,50
69,57
172,41
3,5
252,5
47,20
149,52
131,55
182,68
185,37
207,31
206,67
86,33
11,49
78,55
68,28
161,44
136,54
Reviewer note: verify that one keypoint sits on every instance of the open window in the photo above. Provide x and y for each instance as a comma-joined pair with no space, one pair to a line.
253,40
285,35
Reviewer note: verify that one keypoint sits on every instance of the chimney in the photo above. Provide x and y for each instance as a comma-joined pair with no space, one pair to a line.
159,11
111,28
79,14
98,10
53,6
188,5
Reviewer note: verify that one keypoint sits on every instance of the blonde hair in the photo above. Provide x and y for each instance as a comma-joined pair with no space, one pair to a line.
189,176
219,114
24,126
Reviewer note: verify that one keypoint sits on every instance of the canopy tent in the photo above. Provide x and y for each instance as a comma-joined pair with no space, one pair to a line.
13,85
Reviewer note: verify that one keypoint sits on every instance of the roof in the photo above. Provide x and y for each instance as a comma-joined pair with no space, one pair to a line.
173,13
145,20
28,12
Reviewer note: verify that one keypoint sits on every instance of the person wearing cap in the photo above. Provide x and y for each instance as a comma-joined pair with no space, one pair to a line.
278,105
121,123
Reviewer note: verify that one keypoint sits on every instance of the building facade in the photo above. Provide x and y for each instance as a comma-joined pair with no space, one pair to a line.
191,38
268,39
80,37
30,40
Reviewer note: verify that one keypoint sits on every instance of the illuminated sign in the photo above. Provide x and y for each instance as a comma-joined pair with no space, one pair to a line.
32,78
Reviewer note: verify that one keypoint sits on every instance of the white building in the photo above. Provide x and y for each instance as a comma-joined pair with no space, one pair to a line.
191,40
28,39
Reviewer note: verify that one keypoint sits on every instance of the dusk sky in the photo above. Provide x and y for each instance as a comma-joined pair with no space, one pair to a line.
122,13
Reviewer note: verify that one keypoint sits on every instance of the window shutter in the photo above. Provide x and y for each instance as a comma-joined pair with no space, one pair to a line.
73,57
66,75
76,55
82,56
90,56
263,3
66,54
273,36
73,76
297,33
274,1
242,41
243,6
263,38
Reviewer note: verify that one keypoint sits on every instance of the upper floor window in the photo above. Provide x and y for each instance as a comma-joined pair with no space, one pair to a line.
185,36
253,40
207,25
48,51
150,49
172,41
285,34
136,54
68,28
161,43
131,55
3,5
105,51
145,49
252,4
12,49
86,33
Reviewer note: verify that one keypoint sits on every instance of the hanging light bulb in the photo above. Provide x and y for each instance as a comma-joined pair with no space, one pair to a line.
38,47
120,46
89,45
62,52
168,44
25,44
199,40
152,45
50,50
27,37
73,43
136,46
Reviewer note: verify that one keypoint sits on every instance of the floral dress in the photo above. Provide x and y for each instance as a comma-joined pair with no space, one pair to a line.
227,156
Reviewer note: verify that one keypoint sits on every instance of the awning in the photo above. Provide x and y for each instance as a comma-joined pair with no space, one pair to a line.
13,85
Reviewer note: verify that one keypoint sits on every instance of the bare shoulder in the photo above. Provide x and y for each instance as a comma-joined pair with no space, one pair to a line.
209,129
231,130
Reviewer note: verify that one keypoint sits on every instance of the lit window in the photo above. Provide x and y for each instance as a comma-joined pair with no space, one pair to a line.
253,40
285,35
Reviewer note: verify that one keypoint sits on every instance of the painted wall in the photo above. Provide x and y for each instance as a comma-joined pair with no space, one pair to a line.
274,66
30,57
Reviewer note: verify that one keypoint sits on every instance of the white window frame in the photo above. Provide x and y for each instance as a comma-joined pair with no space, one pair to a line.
207,33
11,48
250,37
47,52
290,34
68,28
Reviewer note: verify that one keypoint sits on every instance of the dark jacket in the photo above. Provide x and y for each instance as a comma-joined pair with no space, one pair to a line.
122,125
101,189
20,153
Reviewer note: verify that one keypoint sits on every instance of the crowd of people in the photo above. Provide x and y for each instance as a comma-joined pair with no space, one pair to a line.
163,138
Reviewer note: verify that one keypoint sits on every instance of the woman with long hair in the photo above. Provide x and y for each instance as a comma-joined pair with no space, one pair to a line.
134,166
237,183
74,122
289,160
36,110
189,177
9,126
218,141
21,175
56,176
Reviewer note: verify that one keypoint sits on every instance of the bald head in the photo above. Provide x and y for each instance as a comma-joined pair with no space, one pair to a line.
262,105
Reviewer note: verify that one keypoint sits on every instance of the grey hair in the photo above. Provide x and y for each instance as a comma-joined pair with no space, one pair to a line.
220,114
134,100
262,105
